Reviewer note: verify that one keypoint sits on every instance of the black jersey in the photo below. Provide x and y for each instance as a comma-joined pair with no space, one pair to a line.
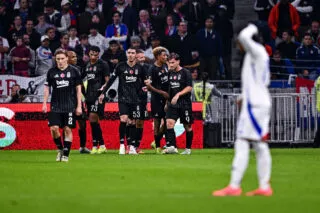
95,75
63,83
143,94
177,82
130,80
160,80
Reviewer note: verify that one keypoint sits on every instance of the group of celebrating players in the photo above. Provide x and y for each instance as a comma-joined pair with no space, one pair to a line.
80,94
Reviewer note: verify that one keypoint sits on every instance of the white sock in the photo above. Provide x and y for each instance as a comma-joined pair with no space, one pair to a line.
240,162
264,162
94,147
102,146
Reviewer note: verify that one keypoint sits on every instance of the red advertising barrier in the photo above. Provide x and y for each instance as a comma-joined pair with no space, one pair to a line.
32,131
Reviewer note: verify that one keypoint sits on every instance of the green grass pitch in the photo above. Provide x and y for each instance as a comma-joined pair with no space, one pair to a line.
31,181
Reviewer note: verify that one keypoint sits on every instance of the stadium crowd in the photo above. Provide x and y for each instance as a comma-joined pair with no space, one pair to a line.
200,31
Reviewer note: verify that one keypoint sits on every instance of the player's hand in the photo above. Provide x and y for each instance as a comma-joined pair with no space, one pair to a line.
166,107
101,98
79,111
147,82
165,95
44,108
175,99
144,89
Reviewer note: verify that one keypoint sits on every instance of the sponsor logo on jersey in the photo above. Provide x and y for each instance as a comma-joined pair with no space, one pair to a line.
130,79
164,79
91,76
175,84
62,83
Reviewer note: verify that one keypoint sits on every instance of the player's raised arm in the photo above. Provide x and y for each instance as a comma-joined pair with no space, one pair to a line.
247,42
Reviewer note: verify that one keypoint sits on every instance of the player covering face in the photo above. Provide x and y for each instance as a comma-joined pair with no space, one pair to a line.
65,82
179,104
253,122
130,76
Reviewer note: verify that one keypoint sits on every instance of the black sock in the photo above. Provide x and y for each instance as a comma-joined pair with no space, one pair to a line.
139,132
67,148
95,133
101,141
157,139
189,137
58,143
83,137
133,134
171,137
122,131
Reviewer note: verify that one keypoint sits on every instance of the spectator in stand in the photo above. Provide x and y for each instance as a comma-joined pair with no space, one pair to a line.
99,22
283,16
185,45
155,42
128,15
44,57
170,29
157,16
114,54
82,50
20,56
67,17
287,47
33,34
316,10
64,42
194,14
144,22
73,39
42,25
14,96
145,39
4,49
304,8
96,39
194,73
85,18
16,31
278,67
52,16
308,55
263,8
176,12
5,20
315,32
32,62
54,41
117,31
210,8
24,11
135,42
210,49
225,29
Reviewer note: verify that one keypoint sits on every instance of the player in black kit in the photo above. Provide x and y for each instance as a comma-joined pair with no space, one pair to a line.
142,112
130,79
179,104
158,84
97,74
65,102
72,60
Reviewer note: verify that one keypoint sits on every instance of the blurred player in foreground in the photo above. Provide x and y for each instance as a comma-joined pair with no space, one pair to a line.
253,123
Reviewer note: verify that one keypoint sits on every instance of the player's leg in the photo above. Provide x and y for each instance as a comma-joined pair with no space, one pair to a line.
132,136
94,131
83,135
124,112
239,166
67,143
98,115
139,133
54,123
264,162
187,119
170,137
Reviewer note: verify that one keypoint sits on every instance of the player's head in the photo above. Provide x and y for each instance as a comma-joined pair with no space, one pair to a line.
160,54
61,57
94,53
72,57
140,56
131,54
173,61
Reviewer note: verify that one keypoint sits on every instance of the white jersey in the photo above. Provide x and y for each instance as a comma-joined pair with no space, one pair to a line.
253,122
255,74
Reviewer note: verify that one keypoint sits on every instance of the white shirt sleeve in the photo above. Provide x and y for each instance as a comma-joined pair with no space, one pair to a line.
245,38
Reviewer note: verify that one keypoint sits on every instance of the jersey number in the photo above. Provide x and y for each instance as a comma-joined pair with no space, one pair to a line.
94,108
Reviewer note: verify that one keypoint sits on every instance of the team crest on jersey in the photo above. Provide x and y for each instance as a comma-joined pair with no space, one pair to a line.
311,51
179,77
62,75
68,75
136,71
94,68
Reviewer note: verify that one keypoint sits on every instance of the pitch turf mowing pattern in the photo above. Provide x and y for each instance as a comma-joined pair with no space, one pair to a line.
31,181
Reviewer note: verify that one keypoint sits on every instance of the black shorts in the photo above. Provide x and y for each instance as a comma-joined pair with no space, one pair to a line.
84,116
141,112
157,109
129,109
96,107
62,119
185,114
